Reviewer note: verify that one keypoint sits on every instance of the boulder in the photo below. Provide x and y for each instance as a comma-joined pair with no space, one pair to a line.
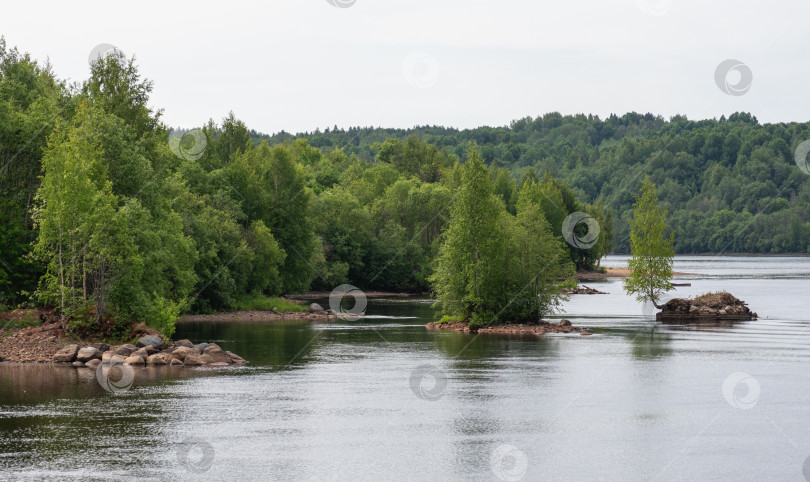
185,343
182,352
66,354
200,347
212,346
134,360
235,358
176,363
102,347
217,356
88,353
195,359
105,357
154,340
565,323
156,359
315,307
116,359
93,363
78,364
275,309
141,352
125,350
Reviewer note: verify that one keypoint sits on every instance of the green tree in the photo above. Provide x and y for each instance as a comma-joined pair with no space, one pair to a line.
651,248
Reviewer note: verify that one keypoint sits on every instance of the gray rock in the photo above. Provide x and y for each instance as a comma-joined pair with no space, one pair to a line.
200,347
176,363
102,347
88,353
565,323
185,343
78,364
275,310
125,350
66,354
155,341
315,307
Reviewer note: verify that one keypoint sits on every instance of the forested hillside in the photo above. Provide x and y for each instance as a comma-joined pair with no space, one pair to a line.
730,185
108,213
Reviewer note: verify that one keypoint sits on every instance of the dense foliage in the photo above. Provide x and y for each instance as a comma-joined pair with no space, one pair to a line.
107,214
731,185
495,266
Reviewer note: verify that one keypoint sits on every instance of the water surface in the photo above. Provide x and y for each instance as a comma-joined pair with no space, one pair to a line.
637,401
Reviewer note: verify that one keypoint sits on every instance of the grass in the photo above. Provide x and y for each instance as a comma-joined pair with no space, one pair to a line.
21,319
265,303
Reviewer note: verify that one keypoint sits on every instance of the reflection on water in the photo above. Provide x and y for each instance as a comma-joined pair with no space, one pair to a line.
639,400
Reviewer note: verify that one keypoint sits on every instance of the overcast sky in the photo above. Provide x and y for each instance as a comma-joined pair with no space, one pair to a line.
300,64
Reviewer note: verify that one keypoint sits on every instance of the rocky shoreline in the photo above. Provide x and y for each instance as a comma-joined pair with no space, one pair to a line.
48,343
542,328
147,351
708,307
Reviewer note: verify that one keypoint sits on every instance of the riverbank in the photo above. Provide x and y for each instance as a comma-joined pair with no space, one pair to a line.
509,329
36,336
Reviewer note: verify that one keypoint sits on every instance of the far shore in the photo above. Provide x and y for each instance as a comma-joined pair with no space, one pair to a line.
615,273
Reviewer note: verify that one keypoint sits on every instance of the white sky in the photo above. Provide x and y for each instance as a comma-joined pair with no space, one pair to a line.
301,64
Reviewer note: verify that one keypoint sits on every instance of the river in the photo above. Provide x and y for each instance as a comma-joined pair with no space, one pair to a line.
384,399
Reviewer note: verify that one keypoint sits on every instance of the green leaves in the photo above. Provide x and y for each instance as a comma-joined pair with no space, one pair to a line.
651,248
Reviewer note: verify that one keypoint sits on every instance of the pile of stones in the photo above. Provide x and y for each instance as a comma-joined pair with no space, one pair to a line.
148,350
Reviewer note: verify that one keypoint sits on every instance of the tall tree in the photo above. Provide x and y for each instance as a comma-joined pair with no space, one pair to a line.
651,248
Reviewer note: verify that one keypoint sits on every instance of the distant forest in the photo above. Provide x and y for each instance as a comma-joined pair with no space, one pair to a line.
731,185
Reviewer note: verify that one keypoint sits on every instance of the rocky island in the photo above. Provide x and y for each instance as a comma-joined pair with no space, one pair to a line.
708,307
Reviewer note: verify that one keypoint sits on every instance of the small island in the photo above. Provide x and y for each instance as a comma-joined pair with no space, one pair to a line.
707,307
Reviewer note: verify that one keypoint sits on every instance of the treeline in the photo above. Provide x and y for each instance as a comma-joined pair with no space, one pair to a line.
107,215
731,185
